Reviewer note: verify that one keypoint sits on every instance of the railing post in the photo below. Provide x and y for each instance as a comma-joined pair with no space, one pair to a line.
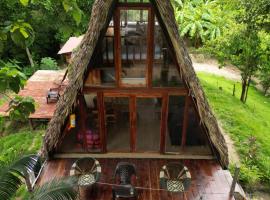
235,179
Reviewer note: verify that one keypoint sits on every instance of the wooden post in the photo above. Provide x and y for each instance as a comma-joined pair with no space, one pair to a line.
233,89
235,179
133,123
150,44
83,117
102,126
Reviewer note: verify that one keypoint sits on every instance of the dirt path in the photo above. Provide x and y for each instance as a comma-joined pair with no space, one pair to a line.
212,66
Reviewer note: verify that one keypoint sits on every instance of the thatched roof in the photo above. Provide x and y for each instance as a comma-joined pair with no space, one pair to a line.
78,69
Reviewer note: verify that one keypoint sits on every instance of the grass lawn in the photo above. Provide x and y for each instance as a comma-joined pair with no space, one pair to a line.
242,121
18,144
19,140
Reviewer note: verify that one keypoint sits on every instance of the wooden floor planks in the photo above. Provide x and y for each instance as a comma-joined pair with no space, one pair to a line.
209,181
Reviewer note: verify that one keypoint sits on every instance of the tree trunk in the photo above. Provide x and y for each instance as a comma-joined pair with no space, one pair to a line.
265,92
244,88
249,80
30,57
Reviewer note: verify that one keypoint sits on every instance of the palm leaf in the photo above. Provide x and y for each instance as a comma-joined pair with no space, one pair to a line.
9,184
25,165
193,30
11,177
61,189
186,29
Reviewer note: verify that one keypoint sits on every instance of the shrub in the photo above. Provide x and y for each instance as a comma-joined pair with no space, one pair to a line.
250,175
264,165
48,63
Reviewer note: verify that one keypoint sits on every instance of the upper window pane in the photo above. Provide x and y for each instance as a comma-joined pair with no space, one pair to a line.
165,73
102,72
133,30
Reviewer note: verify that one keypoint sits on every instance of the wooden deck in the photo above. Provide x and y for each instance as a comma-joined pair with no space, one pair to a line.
209,181
37,87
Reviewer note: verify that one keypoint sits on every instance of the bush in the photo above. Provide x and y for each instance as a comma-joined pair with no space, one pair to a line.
48,63
264,164
250,175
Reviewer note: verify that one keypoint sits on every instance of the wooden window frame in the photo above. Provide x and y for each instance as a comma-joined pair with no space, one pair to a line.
134,91
133,96
150,43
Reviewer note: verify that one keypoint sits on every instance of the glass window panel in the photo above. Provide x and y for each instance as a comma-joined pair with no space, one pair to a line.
93,143
134,27
175,123
195,134
102,72
148,124
77,141
117,123
165,73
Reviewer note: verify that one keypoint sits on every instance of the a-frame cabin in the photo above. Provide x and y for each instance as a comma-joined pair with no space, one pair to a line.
133,93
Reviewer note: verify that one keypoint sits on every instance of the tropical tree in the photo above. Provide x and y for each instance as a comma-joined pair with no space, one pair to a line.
200,20
241,43
13,177
52,22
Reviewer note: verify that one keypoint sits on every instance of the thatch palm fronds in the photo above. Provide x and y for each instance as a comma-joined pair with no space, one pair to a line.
62,189
12,178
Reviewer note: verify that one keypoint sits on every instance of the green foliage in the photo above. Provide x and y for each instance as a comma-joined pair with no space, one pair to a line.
52,22
264,73
10,77
201,20
241,47
250,176
11,181
21,33
71,7
241,121
21,107
56,189
48,64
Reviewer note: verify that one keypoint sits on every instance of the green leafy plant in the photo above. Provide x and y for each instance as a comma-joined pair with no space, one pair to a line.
11,79
264,73
21,107
22,34
200,20
250,176
48,64
12,177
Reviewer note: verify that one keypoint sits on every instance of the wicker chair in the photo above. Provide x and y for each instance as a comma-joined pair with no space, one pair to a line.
175,177
124,173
